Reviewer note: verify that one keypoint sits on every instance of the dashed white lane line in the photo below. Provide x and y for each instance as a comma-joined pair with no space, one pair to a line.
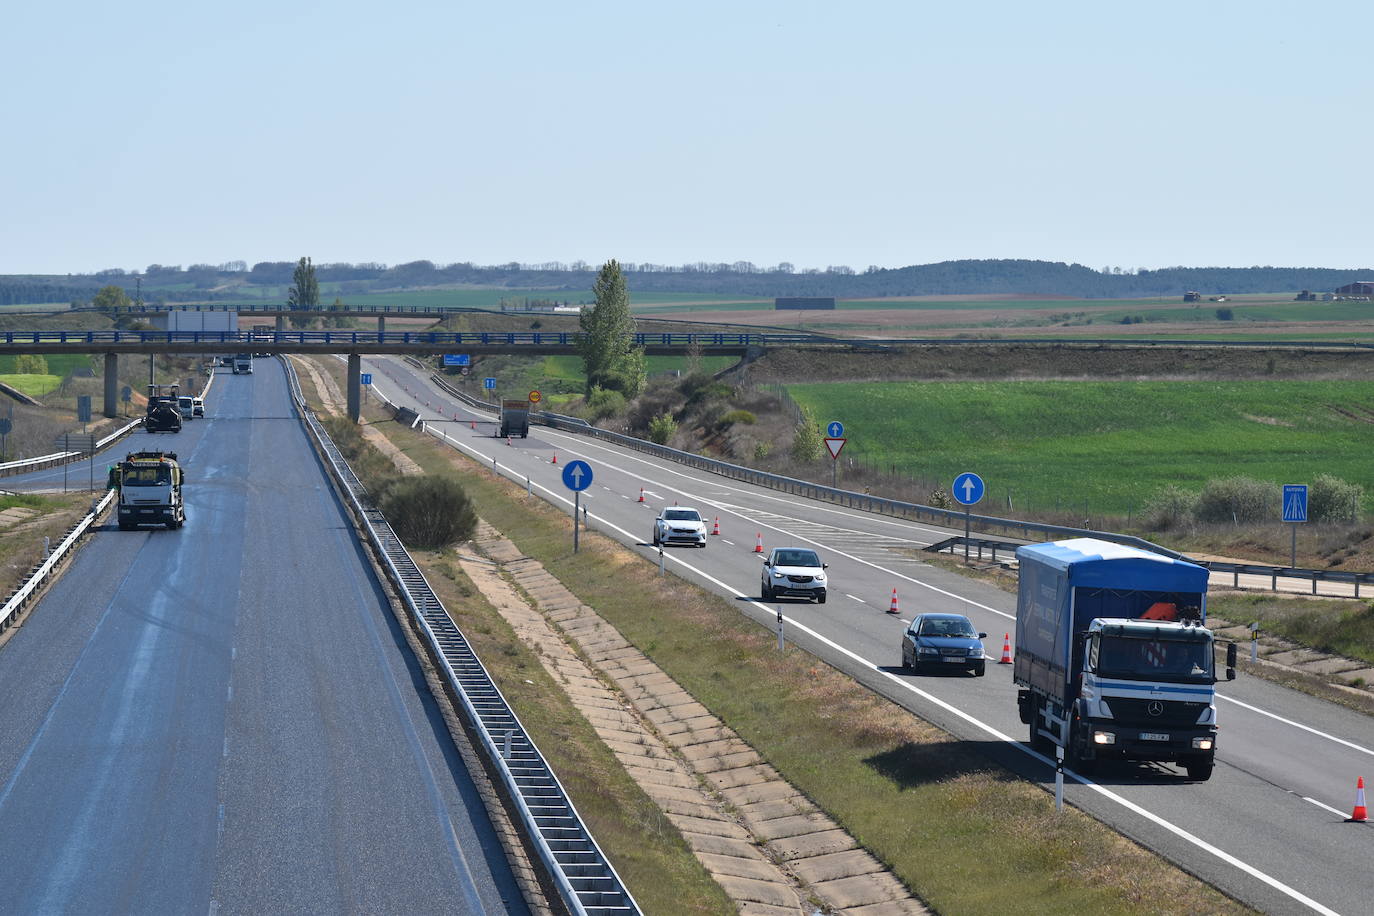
1324,807
727,543
855,597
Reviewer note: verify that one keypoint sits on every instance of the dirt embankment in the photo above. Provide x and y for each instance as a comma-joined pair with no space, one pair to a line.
1024,361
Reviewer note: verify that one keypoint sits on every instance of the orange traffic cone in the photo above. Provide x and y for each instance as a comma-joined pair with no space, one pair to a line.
641,494
892,608
555,458
1006,650
474,424
508,442
758,542
1360,815
715,529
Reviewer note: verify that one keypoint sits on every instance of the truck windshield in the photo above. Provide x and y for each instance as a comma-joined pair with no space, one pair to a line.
147,477
1147,658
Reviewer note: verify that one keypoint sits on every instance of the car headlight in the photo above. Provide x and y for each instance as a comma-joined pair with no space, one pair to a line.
1104,738
820,577
778,575
976,653
1202,744
927,650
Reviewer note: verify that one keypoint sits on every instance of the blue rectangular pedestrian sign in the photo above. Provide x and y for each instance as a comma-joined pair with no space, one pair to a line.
1295,502
365,378
457,359
488,383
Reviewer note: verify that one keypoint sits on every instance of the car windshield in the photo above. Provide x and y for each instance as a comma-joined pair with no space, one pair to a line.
796,558
947,626
682,515
1155,659
147,477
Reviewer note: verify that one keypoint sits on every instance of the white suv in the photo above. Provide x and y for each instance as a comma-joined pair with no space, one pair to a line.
676,525
794,571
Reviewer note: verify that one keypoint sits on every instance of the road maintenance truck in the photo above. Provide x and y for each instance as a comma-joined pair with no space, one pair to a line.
515,418
164,415
243,363
149,485
1112,658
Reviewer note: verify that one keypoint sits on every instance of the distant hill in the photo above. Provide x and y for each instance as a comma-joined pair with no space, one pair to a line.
200,283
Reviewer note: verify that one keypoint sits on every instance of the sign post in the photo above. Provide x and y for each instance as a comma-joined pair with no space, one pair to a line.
1294,511
968,489
489,384
6,424
577,476
126,395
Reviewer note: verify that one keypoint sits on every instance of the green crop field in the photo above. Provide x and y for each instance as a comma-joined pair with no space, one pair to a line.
33,385
570,367
1103,447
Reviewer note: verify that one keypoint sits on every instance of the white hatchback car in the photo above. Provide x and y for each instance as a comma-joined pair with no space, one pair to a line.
795,571
677,525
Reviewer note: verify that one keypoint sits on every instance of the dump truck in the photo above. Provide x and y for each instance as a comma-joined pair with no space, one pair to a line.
164,414
515,418
149,485
1112,658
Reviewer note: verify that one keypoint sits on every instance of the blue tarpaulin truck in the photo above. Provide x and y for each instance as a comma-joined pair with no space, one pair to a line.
1112,657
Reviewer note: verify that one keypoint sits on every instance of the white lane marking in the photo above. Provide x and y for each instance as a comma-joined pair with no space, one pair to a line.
988,729
855,597
730,543
1307,728
1323,806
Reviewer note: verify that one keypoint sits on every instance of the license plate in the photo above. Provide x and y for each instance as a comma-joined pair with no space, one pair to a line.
1153,736
954,658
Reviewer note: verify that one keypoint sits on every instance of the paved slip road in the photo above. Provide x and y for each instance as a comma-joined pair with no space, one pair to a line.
225,719
1267,828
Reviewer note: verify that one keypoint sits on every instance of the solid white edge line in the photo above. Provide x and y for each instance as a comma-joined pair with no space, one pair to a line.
1323,806
1129,805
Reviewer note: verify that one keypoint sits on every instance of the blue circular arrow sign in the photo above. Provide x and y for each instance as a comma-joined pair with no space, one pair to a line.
577,475
968,488
835,430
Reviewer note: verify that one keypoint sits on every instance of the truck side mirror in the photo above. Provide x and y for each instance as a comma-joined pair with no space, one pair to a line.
1231,662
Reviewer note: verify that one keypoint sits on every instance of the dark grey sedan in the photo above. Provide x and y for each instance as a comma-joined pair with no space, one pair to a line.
944,642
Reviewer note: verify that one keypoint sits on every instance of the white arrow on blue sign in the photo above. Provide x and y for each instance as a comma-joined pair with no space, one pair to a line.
577,475
835,430
365,378
1295,502
968,488
488,383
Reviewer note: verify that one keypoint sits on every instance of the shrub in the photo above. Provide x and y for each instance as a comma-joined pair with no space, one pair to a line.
604,402
1238,499
1172,507
806,443
1330,499
762,450
738,416
428,512
661,428
1224,315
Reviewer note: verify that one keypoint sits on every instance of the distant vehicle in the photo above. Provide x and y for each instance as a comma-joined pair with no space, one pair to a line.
515,418
198,407
187,407
943,641
149,485
677,525
1111,655
164,414
793,571
243,363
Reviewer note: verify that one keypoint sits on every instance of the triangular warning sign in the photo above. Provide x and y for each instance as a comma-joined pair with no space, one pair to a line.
835,445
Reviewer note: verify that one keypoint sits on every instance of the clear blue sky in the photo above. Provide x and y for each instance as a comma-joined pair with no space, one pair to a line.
1198,133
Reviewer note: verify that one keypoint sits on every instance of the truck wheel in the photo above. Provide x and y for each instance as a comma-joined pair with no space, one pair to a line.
1199,768
1078,745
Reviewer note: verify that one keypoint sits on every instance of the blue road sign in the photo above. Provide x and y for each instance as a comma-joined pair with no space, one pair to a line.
835,430
365,378
457,359
968,488
577,475
1295,502
488,383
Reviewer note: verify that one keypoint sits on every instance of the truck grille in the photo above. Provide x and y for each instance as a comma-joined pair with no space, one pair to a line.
1136,711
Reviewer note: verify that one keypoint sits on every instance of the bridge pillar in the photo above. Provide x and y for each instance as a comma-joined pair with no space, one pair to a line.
355,369
111,384
381,325
281,323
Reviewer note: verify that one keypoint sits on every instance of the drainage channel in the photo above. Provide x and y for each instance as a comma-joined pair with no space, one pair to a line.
585,879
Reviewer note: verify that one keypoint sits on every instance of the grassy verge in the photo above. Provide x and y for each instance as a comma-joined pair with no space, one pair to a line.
1341,627
962,833
21,544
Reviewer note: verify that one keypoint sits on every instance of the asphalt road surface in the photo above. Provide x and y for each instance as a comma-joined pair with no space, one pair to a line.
225,718
1268,828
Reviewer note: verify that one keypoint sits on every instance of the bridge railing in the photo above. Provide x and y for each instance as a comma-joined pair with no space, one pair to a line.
567,852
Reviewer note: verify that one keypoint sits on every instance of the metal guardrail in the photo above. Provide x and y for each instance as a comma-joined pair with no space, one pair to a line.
21,596
25,465
1273,573
584,877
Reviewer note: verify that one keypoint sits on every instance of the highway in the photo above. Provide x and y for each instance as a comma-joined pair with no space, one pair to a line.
1267,828
225,718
